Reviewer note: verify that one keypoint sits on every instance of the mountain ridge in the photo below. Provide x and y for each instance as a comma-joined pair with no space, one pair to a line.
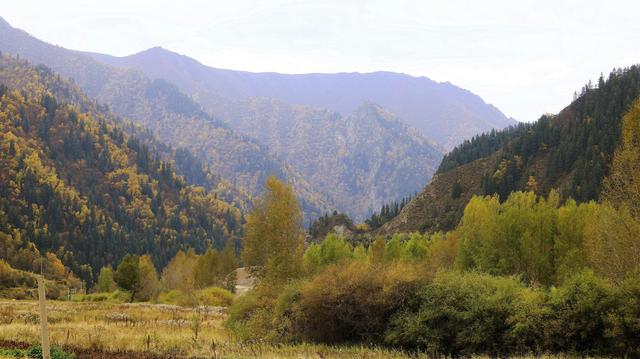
421,102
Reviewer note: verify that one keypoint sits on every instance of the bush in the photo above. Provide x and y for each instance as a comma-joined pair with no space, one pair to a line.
459,313
251,315
213,296
581,309
56,353
626,321
352,301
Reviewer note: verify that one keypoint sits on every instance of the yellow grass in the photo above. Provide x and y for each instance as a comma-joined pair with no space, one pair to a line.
157,328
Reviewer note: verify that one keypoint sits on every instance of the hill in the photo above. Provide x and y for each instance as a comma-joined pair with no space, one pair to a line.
441,112
570,152
75,184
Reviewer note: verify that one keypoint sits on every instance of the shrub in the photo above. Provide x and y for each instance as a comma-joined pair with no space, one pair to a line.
56,353
459,313
214,296
353,301
626,321
580,311
251,315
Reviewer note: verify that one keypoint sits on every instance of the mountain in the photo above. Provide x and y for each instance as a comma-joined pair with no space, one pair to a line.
570,152
173,117
441,112
360,160
351,162
73,182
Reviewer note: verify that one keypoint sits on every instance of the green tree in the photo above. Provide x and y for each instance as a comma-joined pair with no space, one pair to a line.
127,275
273,240
622,187
148,277
105,280
206,269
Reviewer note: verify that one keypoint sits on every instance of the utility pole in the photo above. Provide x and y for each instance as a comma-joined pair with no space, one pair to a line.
46,353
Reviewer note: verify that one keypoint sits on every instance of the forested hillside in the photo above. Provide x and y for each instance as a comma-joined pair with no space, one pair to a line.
571,152
75,184
441,112
173,117
360,161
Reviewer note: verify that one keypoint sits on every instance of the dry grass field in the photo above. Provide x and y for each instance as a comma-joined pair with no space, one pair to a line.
140,330
150,331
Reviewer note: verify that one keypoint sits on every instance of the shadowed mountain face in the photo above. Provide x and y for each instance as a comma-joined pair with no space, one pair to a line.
441,112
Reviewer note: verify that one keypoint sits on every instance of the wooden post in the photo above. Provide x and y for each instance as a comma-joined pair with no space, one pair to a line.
46,353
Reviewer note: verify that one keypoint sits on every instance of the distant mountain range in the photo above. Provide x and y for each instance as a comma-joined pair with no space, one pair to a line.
441,112
349,142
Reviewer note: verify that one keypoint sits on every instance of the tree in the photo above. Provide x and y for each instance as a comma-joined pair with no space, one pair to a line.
148,278
206,269
105,280
376,252
273,240
178,274
127,274
622,187
611,239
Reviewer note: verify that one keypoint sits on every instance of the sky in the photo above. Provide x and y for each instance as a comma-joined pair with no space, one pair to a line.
525,57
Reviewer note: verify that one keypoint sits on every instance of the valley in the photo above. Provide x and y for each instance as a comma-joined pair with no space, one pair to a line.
171,209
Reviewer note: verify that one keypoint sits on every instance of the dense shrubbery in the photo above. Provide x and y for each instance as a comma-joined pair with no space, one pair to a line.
515,278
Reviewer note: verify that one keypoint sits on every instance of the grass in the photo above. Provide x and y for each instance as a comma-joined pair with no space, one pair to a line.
156,328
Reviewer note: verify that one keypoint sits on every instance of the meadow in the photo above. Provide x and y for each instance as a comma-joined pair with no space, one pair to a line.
142,330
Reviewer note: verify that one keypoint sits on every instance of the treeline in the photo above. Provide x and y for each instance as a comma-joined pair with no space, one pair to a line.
580,142
188,279
325,224
77,186
388,211
529,275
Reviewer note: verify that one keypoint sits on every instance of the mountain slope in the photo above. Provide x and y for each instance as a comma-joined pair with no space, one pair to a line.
360,160
172,116
74,183
570,152
442,112
352,162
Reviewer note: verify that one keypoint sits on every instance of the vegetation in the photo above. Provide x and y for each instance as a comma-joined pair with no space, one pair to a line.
527,275
580,141
387,213
81,191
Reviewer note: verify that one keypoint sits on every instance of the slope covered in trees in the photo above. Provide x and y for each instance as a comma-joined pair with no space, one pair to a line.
173,117
353,162
360,161
571,152
74,183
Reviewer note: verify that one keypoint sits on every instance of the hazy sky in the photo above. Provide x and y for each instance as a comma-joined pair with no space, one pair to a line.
525,57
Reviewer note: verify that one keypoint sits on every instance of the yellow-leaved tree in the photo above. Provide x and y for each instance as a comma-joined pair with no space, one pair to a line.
273,240
612,239
622,187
